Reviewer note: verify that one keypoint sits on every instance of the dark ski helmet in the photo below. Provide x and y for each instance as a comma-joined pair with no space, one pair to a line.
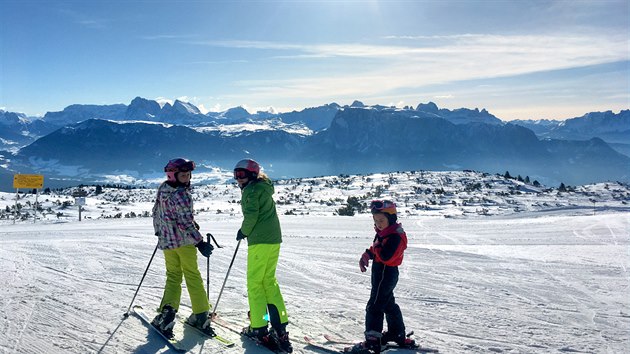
178,165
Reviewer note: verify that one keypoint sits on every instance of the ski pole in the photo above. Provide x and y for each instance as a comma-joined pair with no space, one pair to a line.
208,271
213,239
126,314
216,304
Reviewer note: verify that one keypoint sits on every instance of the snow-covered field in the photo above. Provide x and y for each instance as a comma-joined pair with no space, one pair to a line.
526,278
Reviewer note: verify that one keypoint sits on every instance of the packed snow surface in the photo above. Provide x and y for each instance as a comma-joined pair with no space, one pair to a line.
535,272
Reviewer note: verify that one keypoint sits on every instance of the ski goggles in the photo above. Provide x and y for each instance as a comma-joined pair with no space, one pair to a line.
186,168
383,206
241,174
179,165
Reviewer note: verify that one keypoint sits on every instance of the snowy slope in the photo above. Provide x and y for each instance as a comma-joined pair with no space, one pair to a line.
537,280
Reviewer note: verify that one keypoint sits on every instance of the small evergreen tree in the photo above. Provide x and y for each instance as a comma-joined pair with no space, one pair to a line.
507,175
346,210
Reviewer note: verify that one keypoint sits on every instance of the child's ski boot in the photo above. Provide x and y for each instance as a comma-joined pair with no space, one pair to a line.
371,345
200,321
400,339
282,338
165,321
261,336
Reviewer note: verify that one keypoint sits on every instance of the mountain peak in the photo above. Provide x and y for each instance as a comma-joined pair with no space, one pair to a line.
429,107
236,113
357,104
186,107
142,109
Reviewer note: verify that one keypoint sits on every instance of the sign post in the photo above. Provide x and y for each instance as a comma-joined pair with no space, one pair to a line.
27,181
79,199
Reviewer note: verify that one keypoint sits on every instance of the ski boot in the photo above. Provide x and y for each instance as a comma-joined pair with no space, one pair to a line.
371,345
400,339
282,338
165,321
200,321
262,336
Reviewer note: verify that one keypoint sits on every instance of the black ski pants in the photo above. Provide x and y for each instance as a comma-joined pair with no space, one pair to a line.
382,302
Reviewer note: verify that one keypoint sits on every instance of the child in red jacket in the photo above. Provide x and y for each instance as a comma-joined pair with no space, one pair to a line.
386,253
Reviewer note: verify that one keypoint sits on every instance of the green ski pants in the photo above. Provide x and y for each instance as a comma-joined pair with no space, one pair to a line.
182,262
263,290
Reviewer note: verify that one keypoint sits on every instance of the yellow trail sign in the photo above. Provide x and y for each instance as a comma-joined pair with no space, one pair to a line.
28,181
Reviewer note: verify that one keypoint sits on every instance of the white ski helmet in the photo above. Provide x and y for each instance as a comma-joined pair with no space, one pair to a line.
249,165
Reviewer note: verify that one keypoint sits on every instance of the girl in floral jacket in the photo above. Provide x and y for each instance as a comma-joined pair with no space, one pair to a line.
178,235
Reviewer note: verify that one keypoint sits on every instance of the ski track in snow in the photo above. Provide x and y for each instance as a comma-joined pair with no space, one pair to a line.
519,284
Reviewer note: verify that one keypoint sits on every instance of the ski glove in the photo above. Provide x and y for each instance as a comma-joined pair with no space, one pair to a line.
240,235
205,248
364,262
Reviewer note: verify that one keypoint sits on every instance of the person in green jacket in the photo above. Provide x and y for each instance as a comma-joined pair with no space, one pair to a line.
261,228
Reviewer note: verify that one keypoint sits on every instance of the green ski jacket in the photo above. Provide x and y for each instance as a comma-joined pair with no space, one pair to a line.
260,223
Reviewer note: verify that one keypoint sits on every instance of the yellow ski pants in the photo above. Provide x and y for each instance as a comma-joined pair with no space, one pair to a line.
182,262
263,291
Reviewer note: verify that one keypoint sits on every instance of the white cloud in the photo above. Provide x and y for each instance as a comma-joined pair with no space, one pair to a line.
202,108
438,60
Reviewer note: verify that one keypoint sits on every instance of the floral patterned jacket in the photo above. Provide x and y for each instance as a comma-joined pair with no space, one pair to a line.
173,219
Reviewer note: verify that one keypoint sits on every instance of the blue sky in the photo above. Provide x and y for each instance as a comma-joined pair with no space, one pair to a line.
517,59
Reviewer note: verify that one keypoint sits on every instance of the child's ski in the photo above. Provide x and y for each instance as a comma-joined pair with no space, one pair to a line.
350,345
226,342
174,344
320,347
332,339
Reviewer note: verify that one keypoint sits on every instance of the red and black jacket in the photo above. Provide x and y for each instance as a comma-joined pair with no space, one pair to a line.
389,245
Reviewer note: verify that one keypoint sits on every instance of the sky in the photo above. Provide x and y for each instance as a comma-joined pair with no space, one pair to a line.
517,59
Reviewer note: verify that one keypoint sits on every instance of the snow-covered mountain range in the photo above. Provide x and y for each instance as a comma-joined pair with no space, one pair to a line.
92,143
610,127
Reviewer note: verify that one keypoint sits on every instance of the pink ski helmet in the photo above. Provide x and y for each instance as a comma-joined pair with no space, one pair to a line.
178,165
249,165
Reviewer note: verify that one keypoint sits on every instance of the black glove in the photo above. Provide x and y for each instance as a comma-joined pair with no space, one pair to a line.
240,235
205,248
196,225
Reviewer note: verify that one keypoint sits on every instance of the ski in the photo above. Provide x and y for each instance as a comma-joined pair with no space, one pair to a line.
310,342
174,344
417,348
226,342
332,339
221,322
348,349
